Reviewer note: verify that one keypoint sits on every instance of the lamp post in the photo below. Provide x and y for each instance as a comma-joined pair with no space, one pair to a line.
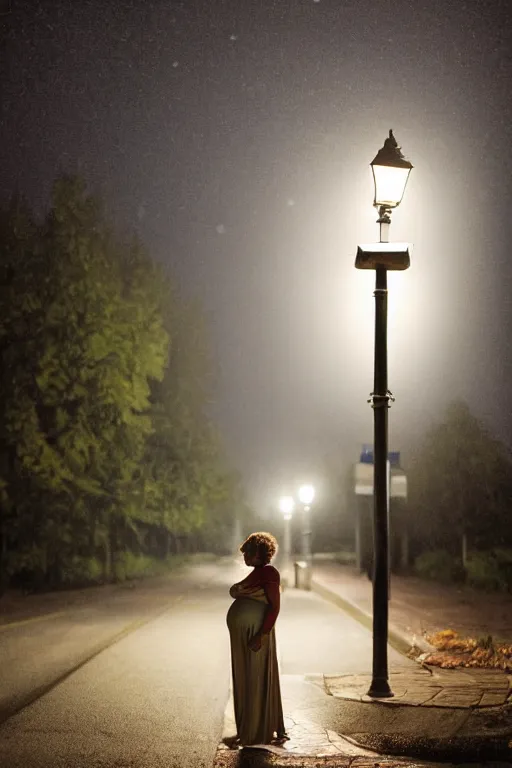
306,496
390,173
286,505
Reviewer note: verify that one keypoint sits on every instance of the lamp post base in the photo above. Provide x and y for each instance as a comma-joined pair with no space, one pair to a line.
379,689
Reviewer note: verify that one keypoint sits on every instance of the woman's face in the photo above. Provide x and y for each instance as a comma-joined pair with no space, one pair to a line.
251,558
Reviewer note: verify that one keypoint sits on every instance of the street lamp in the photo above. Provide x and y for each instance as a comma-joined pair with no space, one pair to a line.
306,496
287,505
390,174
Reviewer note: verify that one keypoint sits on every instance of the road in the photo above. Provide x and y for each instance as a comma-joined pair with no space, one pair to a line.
155,696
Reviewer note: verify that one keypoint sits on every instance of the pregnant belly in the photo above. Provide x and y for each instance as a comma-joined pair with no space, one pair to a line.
245,614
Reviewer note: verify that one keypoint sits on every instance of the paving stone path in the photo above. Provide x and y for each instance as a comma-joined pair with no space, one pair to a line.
303,704
431,687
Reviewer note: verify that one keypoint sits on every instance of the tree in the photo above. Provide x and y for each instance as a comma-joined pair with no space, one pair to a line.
460,484
88,336
105,440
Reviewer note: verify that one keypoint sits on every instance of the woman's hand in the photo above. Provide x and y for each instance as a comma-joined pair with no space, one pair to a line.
238,591
255,642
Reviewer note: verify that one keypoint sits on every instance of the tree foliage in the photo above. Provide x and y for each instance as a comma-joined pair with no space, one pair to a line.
105,443
461,484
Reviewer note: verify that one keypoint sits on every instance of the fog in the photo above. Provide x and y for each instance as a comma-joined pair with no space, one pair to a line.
237,140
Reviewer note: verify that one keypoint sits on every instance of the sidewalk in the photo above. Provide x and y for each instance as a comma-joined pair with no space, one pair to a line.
418,607
455,715
435,716
310,717
459,713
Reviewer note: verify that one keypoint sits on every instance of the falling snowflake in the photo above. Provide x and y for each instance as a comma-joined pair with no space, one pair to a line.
175,64
220,229
233,37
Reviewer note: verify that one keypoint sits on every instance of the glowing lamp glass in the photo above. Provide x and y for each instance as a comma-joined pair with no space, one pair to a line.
306,494
390,184
286,505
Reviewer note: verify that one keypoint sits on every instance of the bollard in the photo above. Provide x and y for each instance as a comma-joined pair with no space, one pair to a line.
302,575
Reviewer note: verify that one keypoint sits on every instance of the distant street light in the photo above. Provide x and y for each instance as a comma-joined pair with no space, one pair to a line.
287,505
306,496
390,173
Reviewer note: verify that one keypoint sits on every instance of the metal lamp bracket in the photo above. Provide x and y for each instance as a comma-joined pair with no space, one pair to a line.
381,401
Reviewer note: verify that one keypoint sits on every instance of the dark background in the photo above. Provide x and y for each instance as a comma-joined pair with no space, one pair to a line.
235,137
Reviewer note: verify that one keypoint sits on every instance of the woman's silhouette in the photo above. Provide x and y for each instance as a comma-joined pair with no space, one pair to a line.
251,619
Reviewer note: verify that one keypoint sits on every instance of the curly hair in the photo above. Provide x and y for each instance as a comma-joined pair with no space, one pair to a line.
262,544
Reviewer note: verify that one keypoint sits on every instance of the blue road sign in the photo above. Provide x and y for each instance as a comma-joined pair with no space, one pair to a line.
367,456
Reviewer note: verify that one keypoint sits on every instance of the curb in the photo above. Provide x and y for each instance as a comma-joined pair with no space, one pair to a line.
468,748
259,758
399,640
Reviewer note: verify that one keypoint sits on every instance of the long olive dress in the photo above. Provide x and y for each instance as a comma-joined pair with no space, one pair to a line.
256,691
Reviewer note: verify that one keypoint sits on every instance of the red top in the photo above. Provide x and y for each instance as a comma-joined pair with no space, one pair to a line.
267,577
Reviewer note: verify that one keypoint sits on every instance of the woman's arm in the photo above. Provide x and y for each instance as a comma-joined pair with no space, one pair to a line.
273,594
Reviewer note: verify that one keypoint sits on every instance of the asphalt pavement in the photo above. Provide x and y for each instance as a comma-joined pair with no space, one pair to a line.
141,679
155,697
36,652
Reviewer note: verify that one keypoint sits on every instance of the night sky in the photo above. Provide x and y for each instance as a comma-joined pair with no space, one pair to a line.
235,136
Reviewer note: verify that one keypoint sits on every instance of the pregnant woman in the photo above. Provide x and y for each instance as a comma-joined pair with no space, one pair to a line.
251,619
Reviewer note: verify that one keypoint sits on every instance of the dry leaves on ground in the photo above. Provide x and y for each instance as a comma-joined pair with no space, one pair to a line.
456,651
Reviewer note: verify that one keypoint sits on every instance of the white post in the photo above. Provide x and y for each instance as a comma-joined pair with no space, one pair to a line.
306,542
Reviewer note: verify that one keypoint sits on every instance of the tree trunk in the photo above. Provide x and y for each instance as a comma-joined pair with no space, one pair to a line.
92,537
464,549
107,560
3,562
108,550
